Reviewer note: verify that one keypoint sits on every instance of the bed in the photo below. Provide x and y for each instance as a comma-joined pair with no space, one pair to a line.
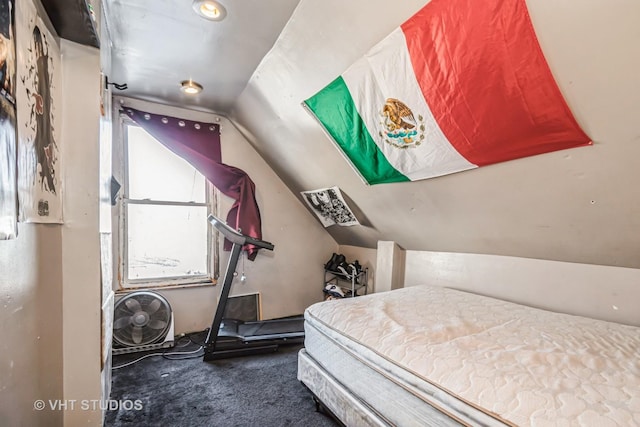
429,355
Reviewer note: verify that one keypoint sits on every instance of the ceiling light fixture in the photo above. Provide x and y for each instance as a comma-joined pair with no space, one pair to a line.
210,9
190,87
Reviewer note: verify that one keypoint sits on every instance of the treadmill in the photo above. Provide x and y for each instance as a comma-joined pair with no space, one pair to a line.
230,337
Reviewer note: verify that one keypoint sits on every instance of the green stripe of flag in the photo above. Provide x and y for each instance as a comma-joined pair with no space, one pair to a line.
333,106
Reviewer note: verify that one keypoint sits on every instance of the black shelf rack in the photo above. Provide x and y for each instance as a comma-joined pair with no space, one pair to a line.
352,283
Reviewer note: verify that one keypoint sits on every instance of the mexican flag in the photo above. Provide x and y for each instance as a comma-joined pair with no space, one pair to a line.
461,84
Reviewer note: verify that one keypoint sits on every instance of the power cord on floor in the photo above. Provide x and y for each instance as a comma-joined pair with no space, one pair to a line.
194,354
190,336
166,354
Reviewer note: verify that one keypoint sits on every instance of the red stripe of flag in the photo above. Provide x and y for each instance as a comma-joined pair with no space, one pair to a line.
482,72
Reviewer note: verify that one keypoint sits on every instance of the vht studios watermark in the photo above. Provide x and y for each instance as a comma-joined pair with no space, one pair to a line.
87,405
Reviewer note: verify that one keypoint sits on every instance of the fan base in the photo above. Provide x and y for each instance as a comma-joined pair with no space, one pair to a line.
167,343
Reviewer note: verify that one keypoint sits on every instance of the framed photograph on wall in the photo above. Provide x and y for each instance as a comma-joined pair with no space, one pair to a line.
330,207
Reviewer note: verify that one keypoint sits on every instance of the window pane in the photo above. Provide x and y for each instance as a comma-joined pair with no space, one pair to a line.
156,173
166,241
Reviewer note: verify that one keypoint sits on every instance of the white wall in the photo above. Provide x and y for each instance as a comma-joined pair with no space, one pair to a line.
50,274
106,259
50,278
579,205
289,278
31,319
601,292
81,290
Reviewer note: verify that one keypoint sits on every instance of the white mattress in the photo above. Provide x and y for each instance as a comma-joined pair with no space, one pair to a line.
484,361
373,392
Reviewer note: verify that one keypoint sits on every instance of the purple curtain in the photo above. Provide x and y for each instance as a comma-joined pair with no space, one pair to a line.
199,144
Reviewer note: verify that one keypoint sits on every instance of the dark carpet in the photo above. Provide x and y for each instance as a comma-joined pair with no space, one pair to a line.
260,390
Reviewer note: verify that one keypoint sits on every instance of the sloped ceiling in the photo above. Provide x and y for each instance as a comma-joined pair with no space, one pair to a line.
580,205
157,44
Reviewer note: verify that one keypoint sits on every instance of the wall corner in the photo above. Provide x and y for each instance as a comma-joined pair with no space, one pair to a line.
390,265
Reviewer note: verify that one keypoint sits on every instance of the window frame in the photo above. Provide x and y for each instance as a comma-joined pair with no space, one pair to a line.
211,203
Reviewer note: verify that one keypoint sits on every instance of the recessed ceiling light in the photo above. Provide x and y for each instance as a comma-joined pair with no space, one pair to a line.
190,87
210,9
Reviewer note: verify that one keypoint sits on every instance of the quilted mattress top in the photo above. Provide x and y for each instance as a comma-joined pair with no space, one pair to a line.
523,365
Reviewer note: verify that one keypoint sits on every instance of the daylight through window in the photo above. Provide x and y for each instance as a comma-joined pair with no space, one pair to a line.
166,238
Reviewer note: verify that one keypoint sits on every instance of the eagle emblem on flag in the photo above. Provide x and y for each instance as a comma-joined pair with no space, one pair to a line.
402,130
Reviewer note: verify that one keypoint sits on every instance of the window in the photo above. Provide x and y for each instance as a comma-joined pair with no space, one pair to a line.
165,236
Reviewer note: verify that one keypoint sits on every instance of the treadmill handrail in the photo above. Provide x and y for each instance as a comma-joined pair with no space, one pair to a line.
235,236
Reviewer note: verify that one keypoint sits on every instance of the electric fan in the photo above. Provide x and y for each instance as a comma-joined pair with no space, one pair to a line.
142,320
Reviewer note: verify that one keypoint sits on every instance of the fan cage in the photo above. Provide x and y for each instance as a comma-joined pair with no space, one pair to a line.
141,318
